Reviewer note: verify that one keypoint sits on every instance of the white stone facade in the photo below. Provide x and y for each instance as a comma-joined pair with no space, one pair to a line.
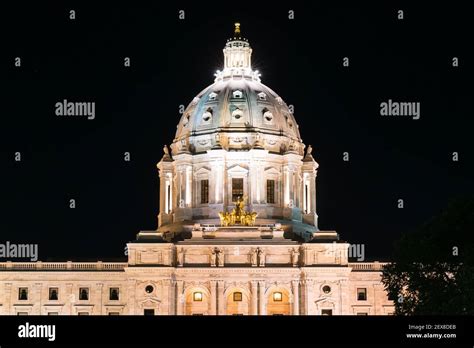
173,289
237,139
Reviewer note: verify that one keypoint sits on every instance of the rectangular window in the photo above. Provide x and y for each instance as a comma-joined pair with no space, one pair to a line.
23,294
114,294
22,313
271,191
237,296
204,191
361,294
114,313
83,313
237,189
53,294
197,296
148,312
83,294
52,313
326,311
361,313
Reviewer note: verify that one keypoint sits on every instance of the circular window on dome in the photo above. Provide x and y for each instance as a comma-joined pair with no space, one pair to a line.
149,289
267,116
207,116
326,289
237,115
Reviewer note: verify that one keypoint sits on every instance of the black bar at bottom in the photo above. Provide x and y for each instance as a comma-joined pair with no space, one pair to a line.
239,330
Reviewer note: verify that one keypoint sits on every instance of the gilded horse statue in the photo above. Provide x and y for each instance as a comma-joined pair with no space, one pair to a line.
238,215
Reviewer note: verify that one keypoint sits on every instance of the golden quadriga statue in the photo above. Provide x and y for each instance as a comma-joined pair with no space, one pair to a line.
238,215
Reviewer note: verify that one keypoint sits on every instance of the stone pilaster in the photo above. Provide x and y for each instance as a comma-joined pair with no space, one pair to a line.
296,297
99,295
179,297
220,298
213,286
262,308
254,297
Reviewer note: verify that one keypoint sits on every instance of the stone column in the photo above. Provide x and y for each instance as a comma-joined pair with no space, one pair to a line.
312,199
296,297
179,298
189,187
254,299
286,186
262,310
220,298
253,196
163,193
219,183
213,297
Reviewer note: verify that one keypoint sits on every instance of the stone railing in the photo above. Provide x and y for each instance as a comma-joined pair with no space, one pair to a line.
367,266
62,266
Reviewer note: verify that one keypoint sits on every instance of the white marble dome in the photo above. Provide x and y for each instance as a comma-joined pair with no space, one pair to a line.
237,112
237,139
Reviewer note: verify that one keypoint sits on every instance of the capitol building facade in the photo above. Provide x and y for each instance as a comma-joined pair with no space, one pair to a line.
237,226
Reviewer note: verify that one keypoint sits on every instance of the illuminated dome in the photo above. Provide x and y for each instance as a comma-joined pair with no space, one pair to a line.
237,141
237,111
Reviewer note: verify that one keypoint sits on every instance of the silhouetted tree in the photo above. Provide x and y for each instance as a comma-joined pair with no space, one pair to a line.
433,268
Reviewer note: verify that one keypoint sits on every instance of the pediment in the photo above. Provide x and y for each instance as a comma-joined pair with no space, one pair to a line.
202,171
237,169
149,302
272,170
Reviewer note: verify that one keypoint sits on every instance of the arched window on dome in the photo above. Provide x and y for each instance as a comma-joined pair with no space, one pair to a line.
262,96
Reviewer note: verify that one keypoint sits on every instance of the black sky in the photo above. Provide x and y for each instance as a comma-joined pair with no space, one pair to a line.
336,108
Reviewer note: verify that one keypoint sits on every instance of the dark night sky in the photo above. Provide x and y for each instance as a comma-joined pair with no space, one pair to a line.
336,108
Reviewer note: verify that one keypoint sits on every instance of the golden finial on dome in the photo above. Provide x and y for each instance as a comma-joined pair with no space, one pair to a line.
237,29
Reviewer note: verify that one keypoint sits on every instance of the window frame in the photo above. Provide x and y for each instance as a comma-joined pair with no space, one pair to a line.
271,189
237,296
111,291
50,292
87,294
364,292
204,191
240,190
20,293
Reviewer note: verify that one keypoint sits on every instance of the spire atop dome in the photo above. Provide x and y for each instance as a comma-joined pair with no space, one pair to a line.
237,58
237,30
